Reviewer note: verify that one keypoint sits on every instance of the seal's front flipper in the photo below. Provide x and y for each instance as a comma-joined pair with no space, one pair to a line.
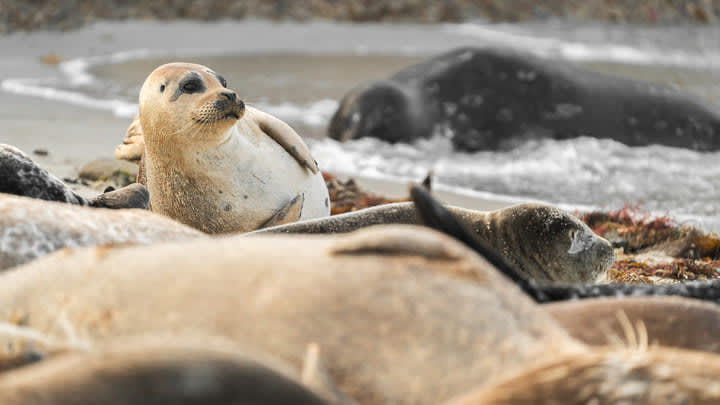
287,214
315,376
283,134
132,196
133,148
133,145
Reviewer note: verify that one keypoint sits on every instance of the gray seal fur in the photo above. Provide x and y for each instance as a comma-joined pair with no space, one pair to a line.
544,242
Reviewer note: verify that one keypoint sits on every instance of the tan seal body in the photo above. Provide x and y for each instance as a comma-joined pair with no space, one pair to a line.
155,372
401,315
609,376
215,165
667,321
543,242
31,228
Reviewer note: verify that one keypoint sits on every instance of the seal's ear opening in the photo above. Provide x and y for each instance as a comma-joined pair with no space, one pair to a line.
432,214
377,109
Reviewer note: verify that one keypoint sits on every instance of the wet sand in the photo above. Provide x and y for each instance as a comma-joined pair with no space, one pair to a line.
72,135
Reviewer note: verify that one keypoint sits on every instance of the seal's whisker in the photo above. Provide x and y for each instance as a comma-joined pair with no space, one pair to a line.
642,333
33,335
70,332
627,327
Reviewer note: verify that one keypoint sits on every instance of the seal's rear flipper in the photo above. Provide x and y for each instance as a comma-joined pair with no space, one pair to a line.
432,214
132,196
314,376
287,214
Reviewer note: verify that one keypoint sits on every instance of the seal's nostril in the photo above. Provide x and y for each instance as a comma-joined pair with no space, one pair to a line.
229,95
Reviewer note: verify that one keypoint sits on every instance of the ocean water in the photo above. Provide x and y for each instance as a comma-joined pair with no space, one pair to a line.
298,72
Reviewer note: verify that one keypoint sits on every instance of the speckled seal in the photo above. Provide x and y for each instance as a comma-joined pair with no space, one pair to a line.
544,243
489,98
20,175
32,228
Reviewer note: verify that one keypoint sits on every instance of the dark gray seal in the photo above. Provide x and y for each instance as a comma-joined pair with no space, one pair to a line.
543,242
490,98
20,175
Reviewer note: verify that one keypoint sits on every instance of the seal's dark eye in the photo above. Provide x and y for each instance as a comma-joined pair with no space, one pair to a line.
190,87
223,82
162,88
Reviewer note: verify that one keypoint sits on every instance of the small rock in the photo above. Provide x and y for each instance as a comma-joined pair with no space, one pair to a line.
105,169
41,152
51,59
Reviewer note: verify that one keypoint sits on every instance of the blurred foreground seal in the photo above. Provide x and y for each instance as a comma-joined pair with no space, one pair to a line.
489,98
32,228
156,371
377,303
20,175
667,321
213,163
543,242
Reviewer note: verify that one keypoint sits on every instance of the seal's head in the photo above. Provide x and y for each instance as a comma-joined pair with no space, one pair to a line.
554,245
185,101
380,109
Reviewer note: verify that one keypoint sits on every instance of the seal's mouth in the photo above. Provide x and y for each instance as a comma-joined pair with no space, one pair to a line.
219,111
232,115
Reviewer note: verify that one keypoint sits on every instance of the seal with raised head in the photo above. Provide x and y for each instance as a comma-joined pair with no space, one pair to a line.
214,164
31,228
21,176
487,98
544,243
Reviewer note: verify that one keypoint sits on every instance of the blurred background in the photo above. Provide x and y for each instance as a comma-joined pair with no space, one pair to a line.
38,14
70,74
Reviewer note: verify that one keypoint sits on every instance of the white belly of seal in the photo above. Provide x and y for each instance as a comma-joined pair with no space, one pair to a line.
265,177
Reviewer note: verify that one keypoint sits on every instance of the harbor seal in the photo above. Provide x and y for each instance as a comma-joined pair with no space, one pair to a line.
542,242
667,321
220,166
156,371
377,302
31,228
487,98
608,376
438,217
22,176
